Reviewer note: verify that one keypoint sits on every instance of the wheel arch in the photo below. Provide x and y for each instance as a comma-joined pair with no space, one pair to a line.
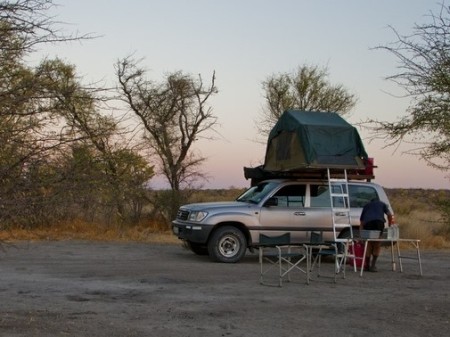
345,233
236,224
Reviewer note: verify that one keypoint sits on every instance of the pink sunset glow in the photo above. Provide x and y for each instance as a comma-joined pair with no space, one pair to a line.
244,42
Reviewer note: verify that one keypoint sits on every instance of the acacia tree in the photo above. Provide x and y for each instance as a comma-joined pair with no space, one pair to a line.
307,89
30,24
55,144
25,145
24,25
424,72
123,172
173,114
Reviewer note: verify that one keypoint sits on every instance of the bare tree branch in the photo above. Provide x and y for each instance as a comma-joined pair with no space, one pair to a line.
173,113
424,73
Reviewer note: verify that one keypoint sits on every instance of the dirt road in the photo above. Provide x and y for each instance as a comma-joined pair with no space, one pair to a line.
114,289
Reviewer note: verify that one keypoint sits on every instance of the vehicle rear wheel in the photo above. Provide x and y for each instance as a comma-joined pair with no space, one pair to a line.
345,234
227,244
197,248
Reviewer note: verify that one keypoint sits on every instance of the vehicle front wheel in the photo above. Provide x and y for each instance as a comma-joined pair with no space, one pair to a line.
227,244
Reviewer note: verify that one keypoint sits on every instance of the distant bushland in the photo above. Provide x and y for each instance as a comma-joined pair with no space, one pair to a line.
423,214
420,213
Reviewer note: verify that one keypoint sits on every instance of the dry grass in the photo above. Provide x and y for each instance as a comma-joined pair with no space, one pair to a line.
84,231
415,210
418,216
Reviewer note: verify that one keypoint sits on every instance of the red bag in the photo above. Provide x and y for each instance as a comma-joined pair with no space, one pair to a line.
356,249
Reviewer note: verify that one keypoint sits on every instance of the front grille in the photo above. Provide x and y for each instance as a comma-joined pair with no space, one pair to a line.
182,215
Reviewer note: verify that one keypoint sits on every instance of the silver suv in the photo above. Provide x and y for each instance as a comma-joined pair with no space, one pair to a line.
224,230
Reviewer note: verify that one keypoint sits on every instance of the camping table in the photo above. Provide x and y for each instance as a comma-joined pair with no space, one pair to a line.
309,247
413,242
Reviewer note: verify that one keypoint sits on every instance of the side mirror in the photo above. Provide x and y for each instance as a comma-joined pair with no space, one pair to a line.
271,202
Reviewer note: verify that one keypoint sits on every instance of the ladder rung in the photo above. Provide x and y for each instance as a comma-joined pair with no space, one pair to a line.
339,212
345,195
337,180
341,209
343,240
342,225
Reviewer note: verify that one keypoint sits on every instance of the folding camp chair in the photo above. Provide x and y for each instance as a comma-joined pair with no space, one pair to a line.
277,253
318,248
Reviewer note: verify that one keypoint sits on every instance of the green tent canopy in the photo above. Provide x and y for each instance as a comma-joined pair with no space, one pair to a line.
310,139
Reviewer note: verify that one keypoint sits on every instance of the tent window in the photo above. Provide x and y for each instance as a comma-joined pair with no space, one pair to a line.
284,145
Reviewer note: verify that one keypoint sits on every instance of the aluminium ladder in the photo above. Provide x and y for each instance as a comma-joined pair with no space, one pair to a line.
341,219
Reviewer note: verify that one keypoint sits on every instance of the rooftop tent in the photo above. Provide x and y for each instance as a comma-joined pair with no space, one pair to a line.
310,140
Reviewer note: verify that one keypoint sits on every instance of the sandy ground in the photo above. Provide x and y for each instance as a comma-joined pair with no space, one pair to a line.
114,289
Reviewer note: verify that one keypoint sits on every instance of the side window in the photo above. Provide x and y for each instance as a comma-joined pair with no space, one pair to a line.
291,196
361,195
320,196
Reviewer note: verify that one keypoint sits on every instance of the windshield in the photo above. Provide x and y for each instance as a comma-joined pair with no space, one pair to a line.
257,193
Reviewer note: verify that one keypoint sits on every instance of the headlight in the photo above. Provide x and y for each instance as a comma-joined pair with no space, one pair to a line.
197,216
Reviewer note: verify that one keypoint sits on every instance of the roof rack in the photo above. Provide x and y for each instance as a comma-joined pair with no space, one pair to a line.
257,174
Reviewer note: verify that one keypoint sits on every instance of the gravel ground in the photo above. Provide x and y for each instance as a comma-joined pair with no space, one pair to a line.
72,288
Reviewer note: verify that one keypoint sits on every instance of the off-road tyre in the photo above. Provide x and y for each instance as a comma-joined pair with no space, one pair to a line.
227,244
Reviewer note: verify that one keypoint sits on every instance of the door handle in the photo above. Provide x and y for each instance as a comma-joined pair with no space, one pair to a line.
340,214
300,213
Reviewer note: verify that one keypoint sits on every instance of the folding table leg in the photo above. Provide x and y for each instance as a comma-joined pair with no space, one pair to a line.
363,258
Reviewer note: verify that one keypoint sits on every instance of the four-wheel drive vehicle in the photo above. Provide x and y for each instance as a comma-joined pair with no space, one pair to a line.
225,230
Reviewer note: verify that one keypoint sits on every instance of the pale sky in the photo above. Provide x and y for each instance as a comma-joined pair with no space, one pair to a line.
244,42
